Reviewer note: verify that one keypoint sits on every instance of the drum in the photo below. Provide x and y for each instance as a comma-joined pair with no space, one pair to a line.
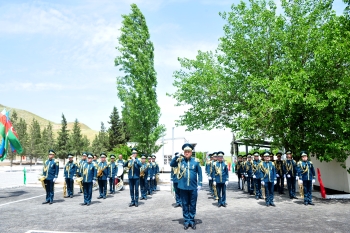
120,169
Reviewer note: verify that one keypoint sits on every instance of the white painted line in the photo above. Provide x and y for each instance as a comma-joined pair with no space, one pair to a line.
25,199
34,231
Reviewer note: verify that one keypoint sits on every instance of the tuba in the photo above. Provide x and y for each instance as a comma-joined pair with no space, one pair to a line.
79,181
41,179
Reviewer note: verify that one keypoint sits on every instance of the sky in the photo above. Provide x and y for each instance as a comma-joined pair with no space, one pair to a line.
58,57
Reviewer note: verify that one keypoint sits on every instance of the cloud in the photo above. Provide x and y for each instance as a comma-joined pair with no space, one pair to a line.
41,86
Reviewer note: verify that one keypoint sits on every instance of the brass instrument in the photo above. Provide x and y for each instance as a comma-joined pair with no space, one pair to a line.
100,171
179,173
157,178
79,181
301,190
65,188
215,192
120,185
142,171
41,179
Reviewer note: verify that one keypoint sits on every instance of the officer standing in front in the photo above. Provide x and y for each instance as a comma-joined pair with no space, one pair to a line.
113,170
70,174
89,174
190,183
269,178
290,170
306,172
50,171
134,166
221,177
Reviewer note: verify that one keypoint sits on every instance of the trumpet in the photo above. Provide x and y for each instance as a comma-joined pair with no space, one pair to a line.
65,188
41,179
79,181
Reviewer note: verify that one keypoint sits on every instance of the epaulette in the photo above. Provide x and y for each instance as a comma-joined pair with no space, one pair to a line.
196,159
310,162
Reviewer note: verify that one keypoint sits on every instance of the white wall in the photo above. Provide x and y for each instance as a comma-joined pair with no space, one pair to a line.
333,175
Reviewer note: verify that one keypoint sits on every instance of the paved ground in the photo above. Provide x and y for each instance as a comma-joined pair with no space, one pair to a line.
21,211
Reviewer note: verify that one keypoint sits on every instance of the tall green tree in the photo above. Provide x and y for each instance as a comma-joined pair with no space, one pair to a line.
14,119
76,139
62,145
274,76
47,139
85,144
116,133
137,88
100,142
34,141
22,132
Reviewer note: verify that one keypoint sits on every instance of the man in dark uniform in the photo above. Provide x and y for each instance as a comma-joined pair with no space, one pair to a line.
143,178
238,171
290,170
156,172
257,176
50,171
279,173
102,175
189,184
89,174
150,175
221,178
249,174
208,172
306,172
120,162
70,174
174,183
134,166
113,170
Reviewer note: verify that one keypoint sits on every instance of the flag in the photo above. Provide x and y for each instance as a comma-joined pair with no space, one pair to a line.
322,189
10,136
3,120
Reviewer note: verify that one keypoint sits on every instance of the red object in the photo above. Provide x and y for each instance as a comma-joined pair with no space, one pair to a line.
322,189
229,166
116,181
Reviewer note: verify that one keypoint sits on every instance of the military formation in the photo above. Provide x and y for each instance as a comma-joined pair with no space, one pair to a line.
105,176
263,177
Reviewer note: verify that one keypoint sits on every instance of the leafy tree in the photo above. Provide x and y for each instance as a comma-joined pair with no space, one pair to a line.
123,150
85,143
280,77
137,88
21,129
62,146
48,140
100,142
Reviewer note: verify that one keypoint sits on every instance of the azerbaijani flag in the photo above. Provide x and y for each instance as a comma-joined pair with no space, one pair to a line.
9,136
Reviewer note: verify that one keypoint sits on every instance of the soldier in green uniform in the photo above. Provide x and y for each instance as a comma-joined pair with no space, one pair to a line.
279,174
306,172
50,171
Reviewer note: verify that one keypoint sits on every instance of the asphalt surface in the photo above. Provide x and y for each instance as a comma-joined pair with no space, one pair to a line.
21,211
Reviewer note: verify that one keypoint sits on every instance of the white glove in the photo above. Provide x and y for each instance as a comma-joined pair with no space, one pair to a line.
262,182
115,177
148,178
297,178
275,182
209,178
254,176
199,188
74,178
313,180
93,181
171,182
153,178
214,183
300,182
284,176
288,176
54,180
246,175
226,183
277,175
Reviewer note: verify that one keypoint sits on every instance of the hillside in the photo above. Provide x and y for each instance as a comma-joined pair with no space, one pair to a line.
28,117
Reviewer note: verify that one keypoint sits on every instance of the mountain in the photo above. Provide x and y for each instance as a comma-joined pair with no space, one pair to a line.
28,117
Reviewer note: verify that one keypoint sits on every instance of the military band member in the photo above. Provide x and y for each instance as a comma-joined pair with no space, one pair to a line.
150,175
190,183
215,192
306,172
80,166
113,170
89,174
69,175
102,176
238,171
249,174
243,172
174,183
279,173
50,171
208,172
120,162
290,170
134,166
143,178
221,177
269,178
257,176
156,172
